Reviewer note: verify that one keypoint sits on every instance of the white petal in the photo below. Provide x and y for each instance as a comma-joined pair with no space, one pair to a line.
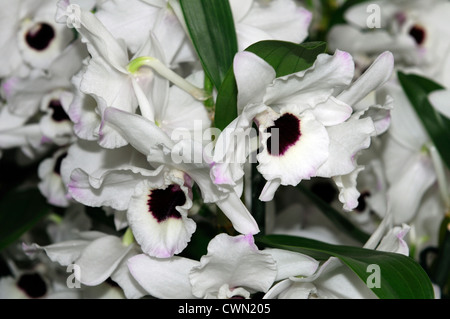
183,112
238,214
115,87
394,241
346,140
348,193
292,264
314,85
405,194
123,18
122,276
82,112
441,101
375,76
170,33
332,112
235,261
406,126
282,20
270,189
64,253
138,131
253,75
99,40
100,259
335,280
163,278
113,189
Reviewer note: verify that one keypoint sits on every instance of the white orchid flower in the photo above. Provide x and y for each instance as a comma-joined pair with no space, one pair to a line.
51,184
97,256
409,159
233,268
154,182
306,121
412,30
113,79
334,280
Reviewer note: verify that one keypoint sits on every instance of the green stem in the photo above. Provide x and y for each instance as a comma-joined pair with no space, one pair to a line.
167,73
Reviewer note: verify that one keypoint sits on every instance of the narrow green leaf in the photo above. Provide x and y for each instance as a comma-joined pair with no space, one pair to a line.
19,212
417,89
288,57
211,28
336,217
400,276
284,57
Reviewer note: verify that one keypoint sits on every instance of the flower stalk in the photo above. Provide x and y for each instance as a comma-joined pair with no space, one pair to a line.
161,69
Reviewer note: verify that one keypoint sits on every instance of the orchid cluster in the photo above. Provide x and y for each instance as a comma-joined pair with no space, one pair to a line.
188,149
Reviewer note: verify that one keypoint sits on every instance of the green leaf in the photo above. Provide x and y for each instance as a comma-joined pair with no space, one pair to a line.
284,57
417,89
211,27
400,276
19,212
336,217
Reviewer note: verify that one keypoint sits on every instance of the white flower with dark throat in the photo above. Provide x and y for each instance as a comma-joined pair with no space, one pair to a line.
306,120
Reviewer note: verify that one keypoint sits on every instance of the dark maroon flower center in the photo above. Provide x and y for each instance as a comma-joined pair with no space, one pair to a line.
40,36
284,133
33,285
418,33
362,203
59,114
162,203
57,167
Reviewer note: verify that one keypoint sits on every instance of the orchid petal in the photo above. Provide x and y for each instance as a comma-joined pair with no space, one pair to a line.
122,18
440,101
163,278
64,253
292,264
253,75
138,131
122,276
376,75
99,40
394,241
238,214
357,136
405,194
100,259
315,84
281,20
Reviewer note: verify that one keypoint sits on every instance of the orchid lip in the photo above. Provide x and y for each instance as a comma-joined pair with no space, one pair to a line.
58,162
